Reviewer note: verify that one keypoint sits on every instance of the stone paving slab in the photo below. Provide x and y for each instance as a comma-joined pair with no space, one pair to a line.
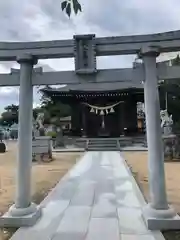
103,228
97,199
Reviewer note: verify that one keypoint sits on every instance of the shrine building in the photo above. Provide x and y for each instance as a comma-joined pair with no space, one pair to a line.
102,109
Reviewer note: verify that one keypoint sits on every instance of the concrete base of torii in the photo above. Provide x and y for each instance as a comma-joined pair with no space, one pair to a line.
21,217
161,219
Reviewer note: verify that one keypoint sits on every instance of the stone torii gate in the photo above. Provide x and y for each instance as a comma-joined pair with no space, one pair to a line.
157,214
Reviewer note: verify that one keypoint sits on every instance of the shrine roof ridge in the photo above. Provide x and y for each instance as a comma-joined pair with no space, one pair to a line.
98,87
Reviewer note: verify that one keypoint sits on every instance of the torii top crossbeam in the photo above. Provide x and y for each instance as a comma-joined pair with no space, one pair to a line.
166,42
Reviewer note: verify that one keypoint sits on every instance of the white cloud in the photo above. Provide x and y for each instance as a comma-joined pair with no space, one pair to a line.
8,90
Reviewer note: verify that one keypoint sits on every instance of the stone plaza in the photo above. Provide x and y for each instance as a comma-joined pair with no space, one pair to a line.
97,199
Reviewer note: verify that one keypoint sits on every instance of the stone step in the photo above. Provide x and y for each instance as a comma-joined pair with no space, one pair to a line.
103,141
104,144
103,149
101,146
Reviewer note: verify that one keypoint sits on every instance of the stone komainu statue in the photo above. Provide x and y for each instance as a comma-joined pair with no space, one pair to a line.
40,126
166,122
171,142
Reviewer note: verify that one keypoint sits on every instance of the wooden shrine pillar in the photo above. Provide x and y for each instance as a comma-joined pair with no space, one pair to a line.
130,122
76,119
84,120
121,116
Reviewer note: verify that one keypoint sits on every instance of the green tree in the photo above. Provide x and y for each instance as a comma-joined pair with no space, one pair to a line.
36,111
69,5
12,108
10,115
53,108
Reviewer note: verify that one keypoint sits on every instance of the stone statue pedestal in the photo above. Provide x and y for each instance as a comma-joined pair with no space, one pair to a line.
145,141
59,138
171,142
167,130
171,145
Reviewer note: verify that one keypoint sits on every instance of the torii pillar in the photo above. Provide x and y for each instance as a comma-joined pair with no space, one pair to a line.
158,215
24,212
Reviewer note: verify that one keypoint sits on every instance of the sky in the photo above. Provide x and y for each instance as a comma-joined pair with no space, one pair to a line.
36,20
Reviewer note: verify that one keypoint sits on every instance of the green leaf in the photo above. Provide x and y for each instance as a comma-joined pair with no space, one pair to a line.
76,6
69,4
68,9
79,7
63,5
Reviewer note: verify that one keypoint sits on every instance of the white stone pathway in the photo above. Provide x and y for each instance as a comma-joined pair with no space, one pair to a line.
98,199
